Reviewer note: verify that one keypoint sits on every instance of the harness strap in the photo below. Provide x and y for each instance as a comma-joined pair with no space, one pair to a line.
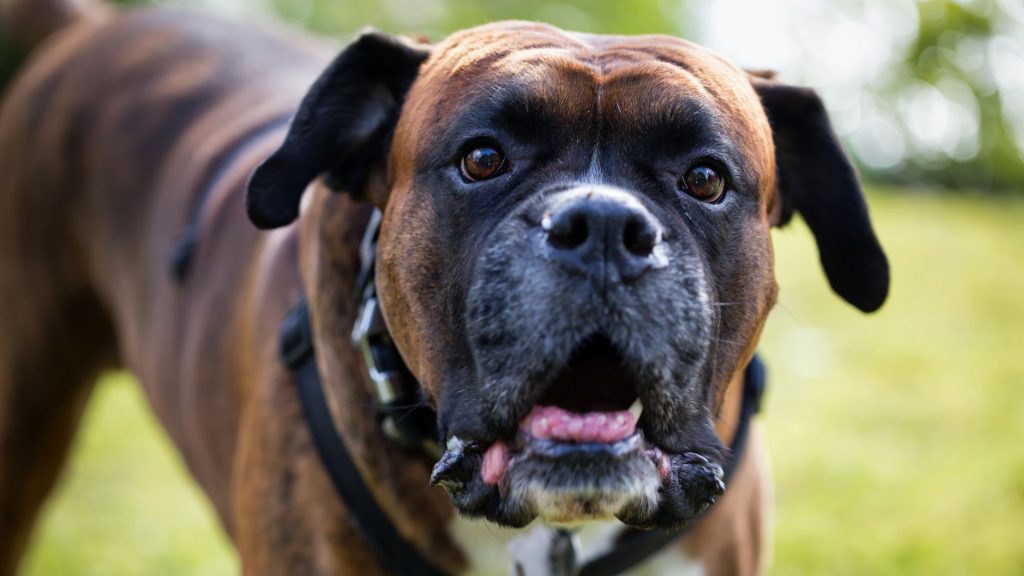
185,247
396,554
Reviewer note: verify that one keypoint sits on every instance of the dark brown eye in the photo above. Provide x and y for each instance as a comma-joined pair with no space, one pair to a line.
703,183
482,163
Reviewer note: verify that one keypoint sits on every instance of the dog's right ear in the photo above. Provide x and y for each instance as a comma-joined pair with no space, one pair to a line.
342,128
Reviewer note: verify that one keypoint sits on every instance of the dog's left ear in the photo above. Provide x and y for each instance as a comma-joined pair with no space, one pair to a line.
816,179
342,127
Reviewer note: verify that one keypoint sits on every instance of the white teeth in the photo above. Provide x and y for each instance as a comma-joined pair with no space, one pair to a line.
636,409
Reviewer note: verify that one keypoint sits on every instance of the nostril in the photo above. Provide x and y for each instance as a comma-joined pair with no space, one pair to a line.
639,236
569,230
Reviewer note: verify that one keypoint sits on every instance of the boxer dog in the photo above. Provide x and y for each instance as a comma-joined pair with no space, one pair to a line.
573,224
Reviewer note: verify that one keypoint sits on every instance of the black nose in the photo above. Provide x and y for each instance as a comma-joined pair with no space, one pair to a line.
606,238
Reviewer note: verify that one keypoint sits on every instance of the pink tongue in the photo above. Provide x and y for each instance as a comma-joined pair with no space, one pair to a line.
495,462
564,426
550,422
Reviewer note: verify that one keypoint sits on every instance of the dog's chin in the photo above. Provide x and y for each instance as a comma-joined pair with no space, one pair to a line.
581,469
570,483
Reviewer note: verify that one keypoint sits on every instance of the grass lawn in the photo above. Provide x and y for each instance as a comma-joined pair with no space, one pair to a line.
897,438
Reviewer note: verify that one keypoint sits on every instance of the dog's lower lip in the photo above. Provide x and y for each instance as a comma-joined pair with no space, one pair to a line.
550,431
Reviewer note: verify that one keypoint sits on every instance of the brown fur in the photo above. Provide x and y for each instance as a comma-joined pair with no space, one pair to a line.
105,139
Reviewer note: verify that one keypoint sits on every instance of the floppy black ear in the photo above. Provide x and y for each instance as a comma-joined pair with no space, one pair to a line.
342,127
816,179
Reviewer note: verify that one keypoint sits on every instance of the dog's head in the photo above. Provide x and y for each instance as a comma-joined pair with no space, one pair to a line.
575,226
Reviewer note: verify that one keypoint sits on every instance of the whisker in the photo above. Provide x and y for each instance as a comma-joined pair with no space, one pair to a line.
790,313
396,406
410,409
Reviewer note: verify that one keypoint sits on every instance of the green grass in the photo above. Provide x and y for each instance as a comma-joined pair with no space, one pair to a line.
126,504
896,438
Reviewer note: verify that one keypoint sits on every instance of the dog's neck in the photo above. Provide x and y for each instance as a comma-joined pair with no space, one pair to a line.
329,263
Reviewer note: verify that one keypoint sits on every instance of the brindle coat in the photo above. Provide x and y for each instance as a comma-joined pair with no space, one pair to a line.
117,125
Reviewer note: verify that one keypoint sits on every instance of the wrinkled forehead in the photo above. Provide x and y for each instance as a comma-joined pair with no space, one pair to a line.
521,69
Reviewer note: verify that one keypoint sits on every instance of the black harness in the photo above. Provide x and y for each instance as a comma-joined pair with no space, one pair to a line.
408,421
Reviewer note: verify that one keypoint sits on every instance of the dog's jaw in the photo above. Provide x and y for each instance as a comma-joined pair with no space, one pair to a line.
568,468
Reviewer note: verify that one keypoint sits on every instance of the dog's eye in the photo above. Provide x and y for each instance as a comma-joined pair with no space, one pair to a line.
703,183
482,163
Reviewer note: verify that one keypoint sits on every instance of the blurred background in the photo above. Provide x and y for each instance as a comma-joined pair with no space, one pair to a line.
896,438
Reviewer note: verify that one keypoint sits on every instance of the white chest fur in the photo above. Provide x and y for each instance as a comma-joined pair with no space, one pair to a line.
486,549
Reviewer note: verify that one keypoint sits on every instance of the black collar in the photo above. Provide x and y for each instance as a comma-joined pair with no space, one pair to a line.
407,420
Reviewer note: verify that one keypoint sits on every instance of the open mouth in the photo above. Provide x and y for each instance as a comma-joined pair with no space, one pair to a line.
582,452
553,433
579,454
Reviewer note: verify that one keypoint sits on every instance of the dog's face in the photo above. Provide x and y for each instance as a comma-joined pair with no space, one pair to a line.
579,223
576,230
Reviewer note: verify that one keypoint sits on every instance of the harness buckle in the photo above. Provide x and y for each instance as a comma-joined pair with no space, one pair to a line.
404,419
367,334
545,551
